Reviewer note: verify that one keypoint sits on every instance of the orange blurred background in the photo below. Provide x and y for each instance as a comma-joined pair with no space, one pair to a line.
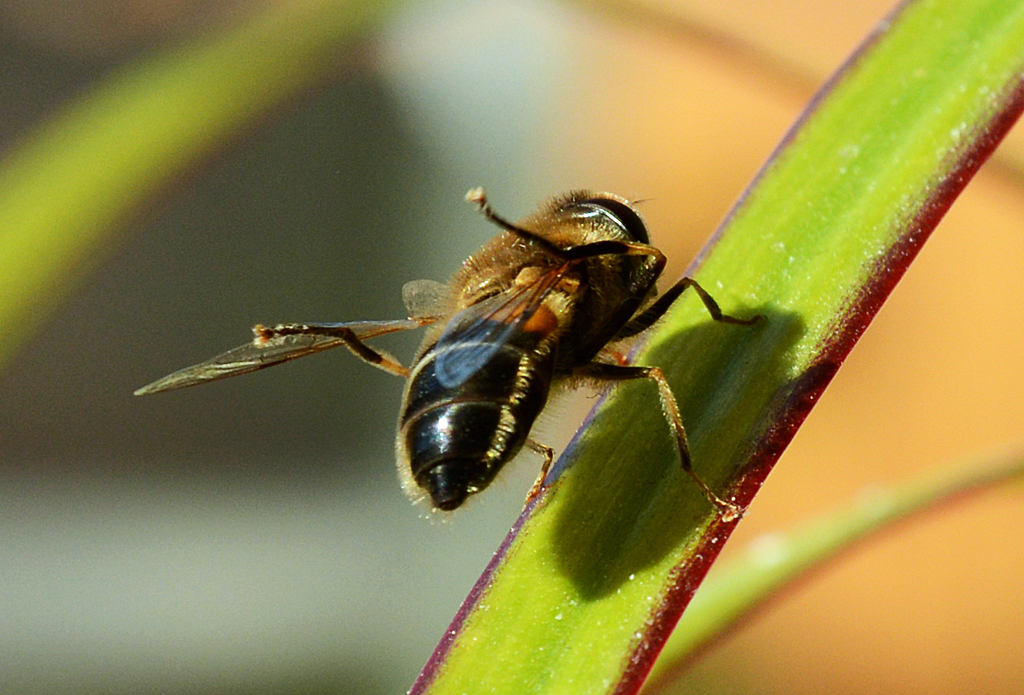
156,521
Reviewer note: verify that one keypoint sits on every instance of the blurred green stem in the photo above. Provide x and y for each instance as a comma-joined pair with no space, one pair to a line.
777,561
66,189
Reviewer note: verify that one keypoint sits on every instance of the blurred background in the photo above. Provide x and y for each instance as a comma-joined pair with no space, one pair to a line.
251,536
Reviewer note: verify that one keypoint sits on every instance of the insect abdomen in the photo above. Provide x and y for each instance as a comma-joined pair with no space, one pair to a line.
453,441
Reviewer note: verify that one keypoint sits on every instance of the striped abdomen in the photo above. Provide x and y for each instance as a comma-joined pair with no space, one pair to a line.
453,441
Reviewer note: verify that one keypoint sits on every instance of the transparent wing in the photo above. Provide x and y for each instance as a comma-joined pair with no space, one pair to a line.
426,298
279,344
474,334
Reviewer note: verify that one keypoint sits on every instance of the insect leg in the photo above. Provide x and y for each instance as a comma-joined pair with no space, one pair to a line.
346,335
613,373
649,316
549,457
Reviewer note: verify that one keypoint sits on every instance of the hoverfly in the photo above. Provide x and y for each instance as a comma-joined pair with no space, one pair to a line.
545,301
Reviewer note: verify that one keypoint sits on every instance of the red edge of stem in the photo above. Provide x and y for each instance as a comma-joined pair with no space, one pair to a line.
795,406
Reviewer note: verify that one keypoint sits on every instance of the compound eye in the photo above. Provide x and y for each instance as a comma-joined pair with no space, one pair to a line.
620,214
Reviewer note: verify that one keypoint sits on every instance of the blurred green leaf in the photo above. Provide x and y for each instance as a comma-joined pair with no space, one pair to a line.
67,187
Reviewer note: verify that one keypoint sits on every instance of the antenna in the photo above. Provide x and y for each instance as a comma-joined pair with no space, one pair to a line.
478,197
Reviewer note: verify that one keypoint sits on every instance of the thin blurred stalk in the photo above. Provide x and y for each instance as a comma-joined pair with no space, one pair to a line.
68,187
772,564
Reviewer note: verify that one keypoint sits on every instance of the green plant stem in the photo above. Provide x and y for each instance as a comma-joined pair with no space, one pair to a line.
589,585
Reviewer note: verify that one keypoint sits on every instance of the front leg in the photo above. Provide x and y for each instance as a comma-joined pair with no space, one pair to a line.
649,316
